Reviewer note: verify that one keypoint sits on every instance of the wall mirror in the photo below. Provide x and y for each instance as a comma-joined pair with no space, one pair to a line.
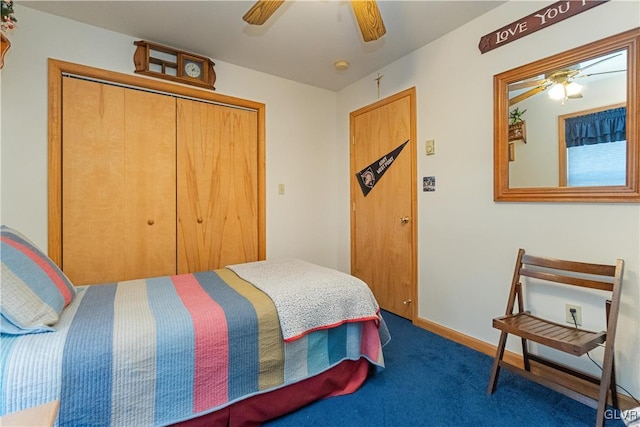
566,127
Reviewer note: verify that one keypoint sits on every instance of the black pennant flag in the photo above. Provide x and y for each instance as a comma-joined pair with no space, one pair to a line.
369,176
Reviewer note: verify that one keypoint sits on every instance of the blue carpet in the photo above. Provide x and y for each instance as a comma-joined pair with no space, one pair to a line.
431,381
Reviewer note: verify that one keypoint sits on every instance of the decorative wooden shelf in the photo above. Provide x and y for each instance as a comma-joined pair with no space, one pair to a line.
172,64
518,132
5,44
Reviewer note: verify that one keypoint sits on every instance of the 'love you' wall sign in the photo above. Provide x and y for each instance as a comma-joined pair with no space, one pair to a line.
536,21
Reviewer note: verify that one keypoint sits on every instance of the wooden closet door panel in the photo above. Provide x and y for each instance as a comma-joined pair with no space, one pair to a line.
217,174
149,231
118,180
93,176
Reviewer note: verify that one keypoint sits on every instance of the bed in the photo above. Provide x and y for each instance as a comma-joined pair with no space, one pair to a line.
234,346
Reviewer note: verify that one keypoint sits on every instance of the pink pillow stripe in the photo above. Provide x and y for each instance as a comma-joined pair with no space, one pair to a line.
54,275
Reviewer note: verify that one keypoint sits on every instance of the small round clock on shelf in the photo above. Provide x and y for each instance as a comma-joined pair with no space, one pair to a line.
193,69
172,64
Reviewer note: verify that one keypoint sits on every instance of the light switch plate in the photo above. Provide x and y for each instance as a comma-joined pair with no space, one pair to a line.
431,147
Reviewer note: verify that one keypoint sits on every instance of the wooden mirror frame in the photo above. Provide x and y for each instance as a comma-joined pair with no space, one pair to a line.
630,41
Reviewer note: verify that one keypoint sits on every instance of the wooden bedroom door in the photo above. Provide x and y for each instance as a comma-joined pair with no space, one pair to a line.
118,177
218,186
383,223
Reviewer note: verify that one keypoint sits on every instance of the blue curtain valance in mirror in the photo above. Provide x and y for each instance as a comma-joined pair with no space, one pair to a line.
596,128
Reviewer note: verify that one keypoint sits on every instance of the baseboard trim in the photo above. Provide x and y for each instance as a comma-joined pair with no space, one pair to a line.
515,359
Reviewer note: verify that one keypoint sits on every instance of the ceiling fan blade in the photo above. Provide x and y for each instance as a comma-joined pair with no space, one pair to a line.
525,95
598,62
582,76
261,11
369,19
526,84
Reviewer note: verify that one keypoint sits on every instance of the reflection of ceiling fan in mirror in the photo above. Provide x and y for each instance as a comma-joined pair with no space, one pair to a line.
366,12
561,83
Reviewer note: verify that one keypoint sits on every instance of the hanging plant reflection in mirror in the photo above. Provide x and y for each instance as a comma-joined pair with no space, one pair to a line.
8,19
515,116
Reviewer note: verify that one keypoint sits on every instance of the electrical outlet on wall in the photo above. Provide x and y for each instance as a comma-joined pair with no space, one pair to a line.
578,314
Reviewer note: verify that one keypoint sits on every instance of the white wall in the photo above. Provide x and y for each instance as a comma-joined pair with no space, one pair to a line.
300,134
467,243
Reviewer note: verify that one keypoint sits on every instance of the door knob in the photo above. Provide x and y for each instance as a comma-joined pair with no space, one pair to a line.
404,220
407,302
150,222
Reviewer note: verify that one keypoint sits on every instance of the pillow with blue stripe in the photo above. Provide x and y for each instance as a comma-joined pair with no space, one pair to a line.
34,290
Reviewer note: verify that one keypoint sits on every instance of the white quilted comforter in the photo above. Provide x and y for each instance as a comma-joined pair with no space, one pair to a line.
313,297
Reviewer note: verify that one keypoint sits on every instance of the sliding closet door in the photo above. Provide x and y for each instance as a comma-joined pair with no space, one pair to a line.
217,174
118,183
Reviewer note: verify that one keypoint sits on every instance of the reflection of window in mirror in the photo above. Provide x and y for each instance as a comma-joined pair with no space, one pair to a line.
592,147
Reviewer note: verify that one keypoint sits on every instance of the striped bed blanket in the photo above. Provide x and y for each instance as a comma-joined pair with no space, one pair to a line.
162,350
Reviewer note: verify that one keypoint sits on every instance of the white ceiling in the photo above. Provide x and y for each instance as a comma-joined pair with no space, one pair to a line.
301,41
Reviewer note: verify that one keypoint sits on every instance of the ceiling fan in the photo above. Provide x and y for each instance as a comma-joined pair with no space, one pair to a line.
561,84
366,12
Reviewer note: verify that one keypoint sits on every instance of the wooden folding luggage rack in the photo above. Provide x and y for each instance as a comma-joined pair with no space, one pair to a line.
568,339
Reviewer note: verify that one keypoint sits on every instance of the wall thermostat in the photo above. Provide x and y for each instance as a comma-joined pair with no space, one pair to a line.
431,147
